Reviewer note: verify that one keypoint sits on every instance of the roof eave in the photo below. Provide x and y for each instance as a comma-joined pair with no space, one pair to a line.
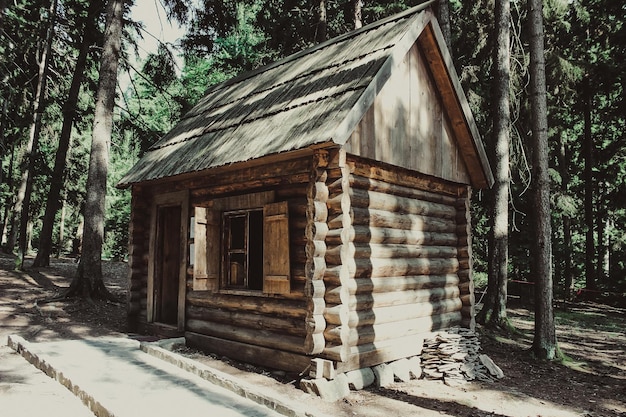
264,160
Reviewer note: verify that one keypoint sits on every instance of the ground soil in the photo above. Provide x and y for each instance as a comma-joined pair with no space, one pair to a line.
592,382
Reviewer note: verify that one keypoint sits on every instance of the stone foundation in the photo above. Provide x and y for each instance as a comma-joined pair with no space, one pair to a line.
451,356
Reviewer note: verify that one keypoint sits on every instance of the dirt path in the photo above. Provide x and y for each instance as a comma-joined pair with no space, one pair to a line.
592,384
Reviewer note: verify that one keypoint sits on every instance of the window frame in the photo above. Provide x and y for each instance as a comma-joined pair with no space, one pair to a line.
210,241
228,251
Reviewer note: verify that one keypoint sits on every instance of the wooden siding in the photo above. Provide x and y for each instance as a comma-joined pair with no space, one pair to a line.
139,236
407,126
393,259
245,324
457,107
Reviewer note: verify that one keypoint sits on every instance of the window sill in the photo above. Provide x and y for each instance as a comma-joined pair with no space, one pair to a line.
249,293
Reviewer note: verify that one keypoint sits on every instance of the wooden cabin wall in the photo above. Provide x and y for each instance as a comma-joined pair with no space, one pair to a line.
407,125
249,326
139,237
466,283
379,256
393,258
315,266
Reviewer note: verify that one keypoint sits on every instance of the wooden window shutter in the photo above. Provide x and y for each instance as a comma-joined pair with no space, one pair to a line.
199,249
213,248
206,249
276,265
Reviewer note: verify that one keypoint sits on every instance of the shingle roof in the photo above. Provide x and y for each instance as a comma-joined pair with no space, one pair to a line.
291,104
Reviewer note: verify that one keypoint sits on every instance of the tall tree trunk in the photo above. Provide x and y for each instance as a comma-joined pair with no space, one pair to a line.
501,131
567,222
13,217
588,154
443,17
3,142
544,343
12,212
357,16
495,309
26,186
320,33
7,220
3,148
602,245
69,114
608,253
77,241
88,279
61,229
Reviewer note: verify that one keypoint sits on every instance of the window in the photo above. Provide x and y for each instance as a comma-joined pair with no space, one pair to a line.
242,248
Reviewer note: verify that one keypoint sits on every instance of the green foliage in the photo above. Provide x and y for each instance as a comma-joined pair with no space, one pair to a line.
118,201
480,279
583,39
242,48
197,75
565,205
159,69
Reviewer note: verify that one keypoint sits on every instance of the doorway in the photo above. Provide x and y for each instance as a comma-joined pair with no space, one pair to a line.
168,261
167,267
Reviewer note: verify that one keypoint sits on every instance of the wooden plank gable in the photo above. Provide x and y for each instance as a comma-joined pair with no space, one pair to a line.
407,124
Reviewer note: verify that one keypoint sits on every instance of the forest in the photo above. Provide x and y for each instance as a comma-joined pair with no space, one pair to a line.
52,55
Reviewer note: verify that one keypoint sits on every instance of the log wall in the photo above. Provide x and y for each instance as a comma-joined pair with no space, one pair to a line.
466,283
395,254
380,256
243,324
139,236
315,263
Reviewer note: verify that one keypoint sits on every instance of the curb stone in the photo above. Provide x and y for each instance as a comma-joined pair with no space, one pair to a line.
21,346
270,399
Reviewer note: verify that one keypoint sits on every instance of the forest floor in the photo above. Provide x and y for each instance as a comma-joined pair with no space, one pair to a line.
591,382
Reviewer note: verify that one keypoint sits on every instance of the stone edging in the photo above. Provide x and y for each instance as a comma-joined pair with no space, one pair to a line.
21,346
272,400
269,399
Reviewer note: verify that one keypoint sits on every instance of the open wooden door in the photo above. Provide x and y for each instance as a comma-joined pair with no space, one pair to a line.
168,261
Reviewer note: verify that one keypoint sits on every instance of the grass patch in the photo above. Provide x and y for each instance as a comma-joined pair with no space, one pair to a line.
589,320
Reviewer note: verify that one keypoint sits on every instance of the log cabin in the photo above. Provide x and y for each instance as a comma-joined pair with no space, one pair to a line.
315,210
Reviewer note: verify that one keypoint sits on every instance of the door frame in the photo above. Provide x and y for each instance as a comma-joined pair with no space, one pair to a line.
181,199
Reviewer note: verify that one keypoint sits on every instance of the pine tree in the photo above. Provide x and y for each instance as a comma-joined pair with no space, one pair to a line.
22,204
494,309
88,279
69,114
544,343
